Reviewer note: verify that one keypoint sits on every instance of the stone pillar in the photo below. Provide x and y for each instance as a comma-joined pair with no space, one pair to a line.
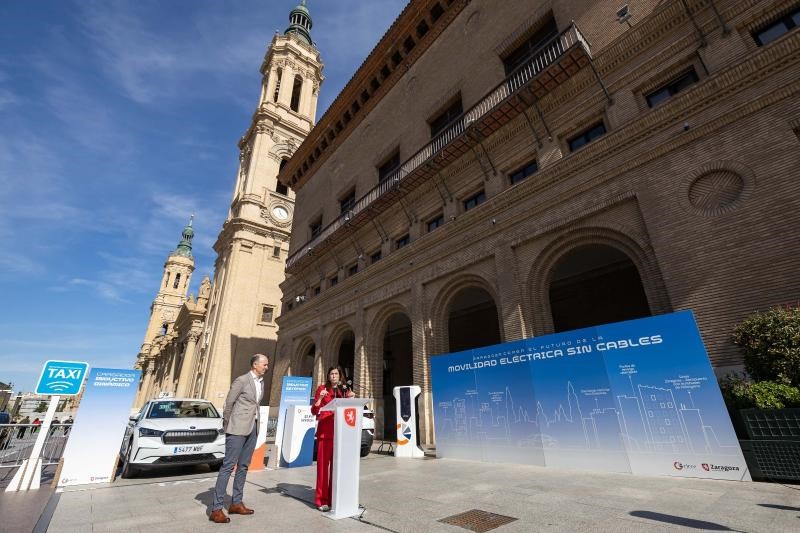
271,82
186,379
306,108
421,362
314,98
509,304
147,380
287,82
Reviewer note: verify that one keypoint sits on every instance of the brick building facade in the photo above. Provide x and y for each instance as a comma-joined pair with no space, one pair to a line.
501,170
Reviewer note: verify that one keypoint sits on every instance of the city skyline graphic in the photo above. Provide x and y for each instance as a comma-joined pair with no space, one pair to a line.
644,409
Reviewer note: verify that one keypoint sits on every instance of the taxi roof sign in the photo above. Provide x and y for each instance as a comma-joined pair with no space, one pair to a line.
63,378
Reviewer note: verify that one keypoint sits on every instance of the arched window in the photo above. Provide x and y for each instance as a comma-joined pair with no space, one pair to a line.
177,280
166,280
277,85
280,187
296,88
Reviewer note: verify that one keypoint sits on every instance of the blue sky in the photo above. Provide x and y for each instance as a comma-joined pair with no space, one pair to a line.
117,121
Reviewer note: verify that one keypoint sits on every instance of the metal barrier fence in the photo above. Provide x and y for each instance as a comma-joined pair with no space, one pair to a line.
17,440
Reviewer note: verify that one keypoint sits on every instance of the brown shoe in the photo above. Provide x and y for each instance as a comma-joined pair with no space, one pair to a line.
239,508
218,516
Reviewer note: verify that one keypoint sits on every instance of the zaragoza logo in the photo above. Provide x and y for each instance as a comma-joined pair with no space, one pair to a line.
350,416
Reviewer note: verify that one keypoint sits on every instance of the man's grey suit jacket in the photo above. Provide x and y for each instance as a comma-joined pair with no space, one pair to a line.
241,406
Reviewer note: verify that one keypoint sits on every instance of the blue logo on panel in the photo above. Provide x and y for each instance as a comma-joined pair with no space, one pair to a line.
64,378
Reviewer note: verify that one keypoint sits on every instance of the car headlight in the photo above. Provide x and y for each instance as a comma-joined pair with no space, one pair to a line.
147,432
220,431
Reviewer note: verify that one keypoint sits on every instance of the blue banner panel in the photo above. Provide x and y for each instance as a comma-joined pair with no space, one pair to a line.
637,396
295,390
96,435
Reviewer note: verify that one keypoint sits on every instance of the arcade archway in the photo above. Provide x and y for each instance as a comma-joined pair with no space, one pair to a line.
595,284
472,320
398,366
346,356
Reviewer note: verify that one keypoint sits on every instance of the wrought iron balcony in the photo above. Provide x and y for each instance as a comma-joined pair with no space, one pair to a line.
556,61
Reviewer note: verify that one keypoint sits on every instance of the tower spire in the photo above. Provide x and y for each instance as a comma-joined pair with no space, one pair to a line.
185,245
300,22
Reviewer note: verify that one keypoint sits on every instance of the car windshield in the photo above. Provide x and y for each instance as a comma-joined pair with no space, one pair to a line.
182,409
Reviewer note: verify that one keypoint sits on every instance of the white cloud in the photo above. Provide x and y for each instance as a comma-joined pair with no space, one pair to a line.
103,289
7,98
150,67
18,263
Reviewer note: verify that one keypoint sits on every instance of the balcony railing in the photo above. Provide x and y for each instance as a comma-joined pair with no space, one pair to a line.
555,62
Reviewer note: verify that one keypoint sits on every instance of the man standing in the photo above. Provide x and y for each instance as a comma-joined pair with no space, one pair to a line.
240,423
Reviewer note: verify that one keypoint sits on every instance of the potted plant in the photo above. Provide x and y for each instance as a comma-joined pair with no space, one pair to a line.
765,403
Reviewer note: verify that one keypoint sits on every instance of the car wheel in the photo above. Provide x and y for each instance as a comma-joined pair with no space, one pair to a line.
364,452
215,466
128,470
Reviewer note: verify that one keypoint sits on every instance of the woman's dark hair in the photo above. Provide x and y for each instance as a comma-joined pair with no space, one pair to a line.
328,383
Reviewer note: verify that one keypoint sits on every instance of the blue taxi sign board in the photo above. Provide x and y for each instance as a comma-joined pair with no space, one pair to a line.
64,378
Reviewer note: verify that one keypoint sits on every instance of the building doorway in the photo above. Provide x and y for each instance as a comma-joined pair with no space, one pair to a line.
595,284
398,367
347,357
306,366
472,320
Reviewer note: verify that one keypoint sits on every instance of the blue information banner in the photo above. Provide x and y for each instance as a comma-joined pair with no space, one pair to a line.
637,396
63,378
96,435
295,390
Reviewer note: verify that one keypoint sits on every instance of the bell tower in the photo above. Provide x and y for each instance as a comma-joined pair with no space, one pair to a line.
252,247
164,310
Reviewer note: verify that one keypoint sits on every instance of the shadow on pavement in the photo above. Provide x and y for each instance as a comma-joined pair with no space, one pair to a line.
304,493
207,498
781,507
681,521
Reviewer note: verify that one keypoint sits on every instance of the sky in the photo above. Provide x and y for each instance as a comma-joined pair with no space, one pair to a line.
118,120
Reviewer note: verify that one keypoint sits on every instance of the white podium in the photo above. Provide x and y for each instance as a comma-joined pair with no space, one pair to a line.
346,455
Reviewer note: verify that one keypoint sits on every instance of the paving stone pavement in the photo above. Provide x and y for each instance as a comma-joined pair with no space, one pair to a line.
413,495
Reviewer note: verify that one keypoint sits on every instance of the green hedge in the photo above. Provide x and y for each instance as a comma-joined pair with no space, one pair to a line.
740,393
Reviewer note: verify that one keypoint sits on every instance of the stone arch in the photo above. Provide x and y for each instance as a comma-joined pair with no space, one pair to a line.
536,297
299,364
338,334
282,150
394,362
439,310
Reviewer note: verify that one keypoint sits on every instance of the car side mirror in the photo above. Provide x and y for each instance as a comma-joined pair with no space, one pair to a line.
133,418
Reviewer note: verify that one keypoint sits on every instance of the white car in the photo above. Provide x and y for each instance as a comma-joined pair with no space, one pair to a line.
173,431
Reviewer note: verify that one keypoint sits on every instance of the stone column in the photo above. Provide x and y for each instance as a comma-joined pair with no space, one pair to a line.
287,82
509,304
188,372
421,361
306,109
147,369
271,82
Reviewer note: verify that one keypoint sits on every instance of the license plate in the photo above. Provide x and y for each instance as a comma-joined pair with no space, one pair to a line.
187,449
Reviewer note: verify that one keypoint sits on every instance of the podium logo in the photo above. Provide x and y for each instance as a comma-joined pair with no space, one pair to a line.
350,416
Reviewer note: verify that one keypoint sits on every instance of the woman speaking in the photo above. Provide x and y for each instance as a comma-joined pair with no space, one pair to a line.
333,388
